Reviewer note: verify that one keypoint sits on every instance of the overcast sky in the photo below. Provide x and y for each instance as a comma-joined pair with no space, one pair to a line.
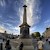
11,15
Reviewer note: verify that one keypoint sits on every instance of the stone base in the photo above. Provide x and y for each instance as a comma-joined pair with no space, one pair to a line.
27,44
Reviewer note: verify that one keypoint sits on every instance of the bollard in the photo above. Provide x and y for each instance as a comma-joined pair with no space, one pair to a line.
1,46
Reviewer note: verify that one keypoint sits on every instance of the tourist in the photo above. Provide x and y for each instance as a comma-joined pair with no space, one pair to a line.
46,45
40,44
46,40
1,44
21,46
49,40
34,40
7,45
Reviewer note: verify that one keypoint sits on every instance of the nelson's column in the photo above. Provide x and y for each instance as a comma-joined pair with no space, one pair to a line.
24,27
24,31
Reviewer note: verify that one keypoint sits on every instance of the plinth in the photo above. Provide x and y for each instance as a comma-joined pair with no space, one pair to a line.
28,44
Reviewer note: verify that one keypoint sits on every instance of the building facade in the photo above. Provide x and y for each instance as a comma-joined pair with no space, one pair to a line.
47,33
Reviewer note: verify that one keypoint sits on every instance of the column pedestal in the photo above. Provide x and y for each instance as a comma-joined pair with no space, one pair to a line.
28,44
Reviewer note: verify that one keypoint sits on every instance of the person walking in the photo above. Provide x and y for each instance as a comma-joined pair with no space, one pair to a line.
7,45
40,44
21,46
46,45
49,40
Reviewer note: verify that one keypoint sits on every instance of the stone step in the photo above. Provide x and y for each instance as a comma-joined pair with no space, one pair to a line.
28,48
26,41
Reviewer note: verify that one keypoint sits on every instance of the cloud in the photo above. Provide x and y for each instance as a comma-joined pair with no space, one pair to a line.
9,24
16,30
32,10
9,30
32,29
2,29
47,23
0,16
21,15
2,3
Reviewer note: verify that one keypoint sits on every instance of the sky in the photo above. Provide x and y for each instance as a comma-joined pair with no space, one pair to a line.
11,15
